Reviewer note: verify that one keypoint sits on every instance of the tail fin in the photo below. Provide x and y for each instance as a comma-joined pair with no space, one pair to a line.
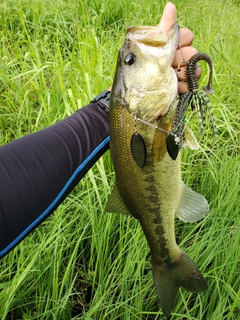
182,273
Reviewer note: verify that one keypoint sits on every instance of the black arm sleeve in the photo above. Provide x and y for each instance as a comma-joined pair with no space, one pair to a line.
39,170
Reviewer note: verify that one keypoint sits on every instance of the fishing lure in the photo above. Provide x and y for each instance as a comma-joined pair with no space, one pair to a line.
197,99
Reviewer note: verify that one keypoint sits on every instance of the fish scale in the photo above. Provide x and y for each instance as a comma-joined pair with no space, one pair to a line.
130,188
148,181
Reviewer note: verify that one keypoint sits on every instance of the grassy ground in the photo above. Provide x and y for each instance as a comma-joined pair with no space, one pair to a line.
83,263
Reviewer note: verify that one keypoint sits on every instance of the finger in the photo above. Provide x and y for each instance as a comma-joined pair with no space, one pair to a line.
182,85
181,74
169,17
185,53
186,37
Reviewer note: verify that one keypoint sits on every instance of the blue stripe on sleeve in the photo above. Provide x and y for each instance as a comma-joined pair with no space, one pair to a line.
55,201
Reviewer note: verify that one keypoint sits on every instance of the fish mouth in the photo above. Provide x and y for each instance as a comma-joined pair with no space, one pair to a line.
154,42
148,35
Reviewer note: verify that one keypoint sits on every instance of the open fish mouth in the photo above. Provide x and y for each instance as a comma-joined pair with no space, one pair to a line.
148,35
153,42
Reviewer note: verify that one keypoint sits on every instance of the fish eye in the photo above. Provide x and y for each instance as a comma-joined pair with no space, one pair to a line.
129,59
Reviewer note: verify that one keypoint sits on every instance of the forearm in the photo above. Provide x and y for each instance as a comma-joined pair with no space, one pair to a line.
39,170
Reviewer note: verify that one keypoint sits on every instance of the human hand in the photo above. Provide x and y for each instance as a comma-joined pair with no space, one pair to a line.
185,50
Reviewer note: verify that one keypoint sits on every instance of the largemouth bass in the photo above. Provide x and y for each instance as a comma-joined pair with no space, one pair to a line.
148,181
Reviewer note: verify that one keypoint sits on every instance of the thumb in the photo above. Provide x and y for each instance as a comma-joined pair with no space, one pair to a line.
169,17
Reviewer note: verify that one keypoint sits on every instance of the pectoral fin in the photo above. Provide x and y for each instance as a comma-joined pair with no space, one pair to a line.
189,139
115,203
193,206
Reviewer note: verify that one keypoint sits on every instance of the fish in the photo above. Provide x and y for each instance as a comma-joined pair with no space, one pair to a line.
148,184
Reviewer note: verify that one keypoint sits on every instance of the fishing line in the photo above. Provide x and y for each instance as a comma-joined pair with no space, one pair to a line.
138,145
149,124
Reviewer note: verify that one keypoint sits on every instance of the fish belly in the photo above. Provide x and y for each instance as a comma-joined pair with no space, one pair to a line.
152,196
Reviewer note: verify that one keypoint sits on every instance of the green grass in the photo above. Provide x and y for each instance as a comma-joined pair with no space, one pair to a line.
83,263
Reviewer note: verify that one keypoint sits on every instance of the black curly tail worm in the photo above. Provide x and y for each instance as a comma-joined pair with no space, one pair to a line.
192,82
174,139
